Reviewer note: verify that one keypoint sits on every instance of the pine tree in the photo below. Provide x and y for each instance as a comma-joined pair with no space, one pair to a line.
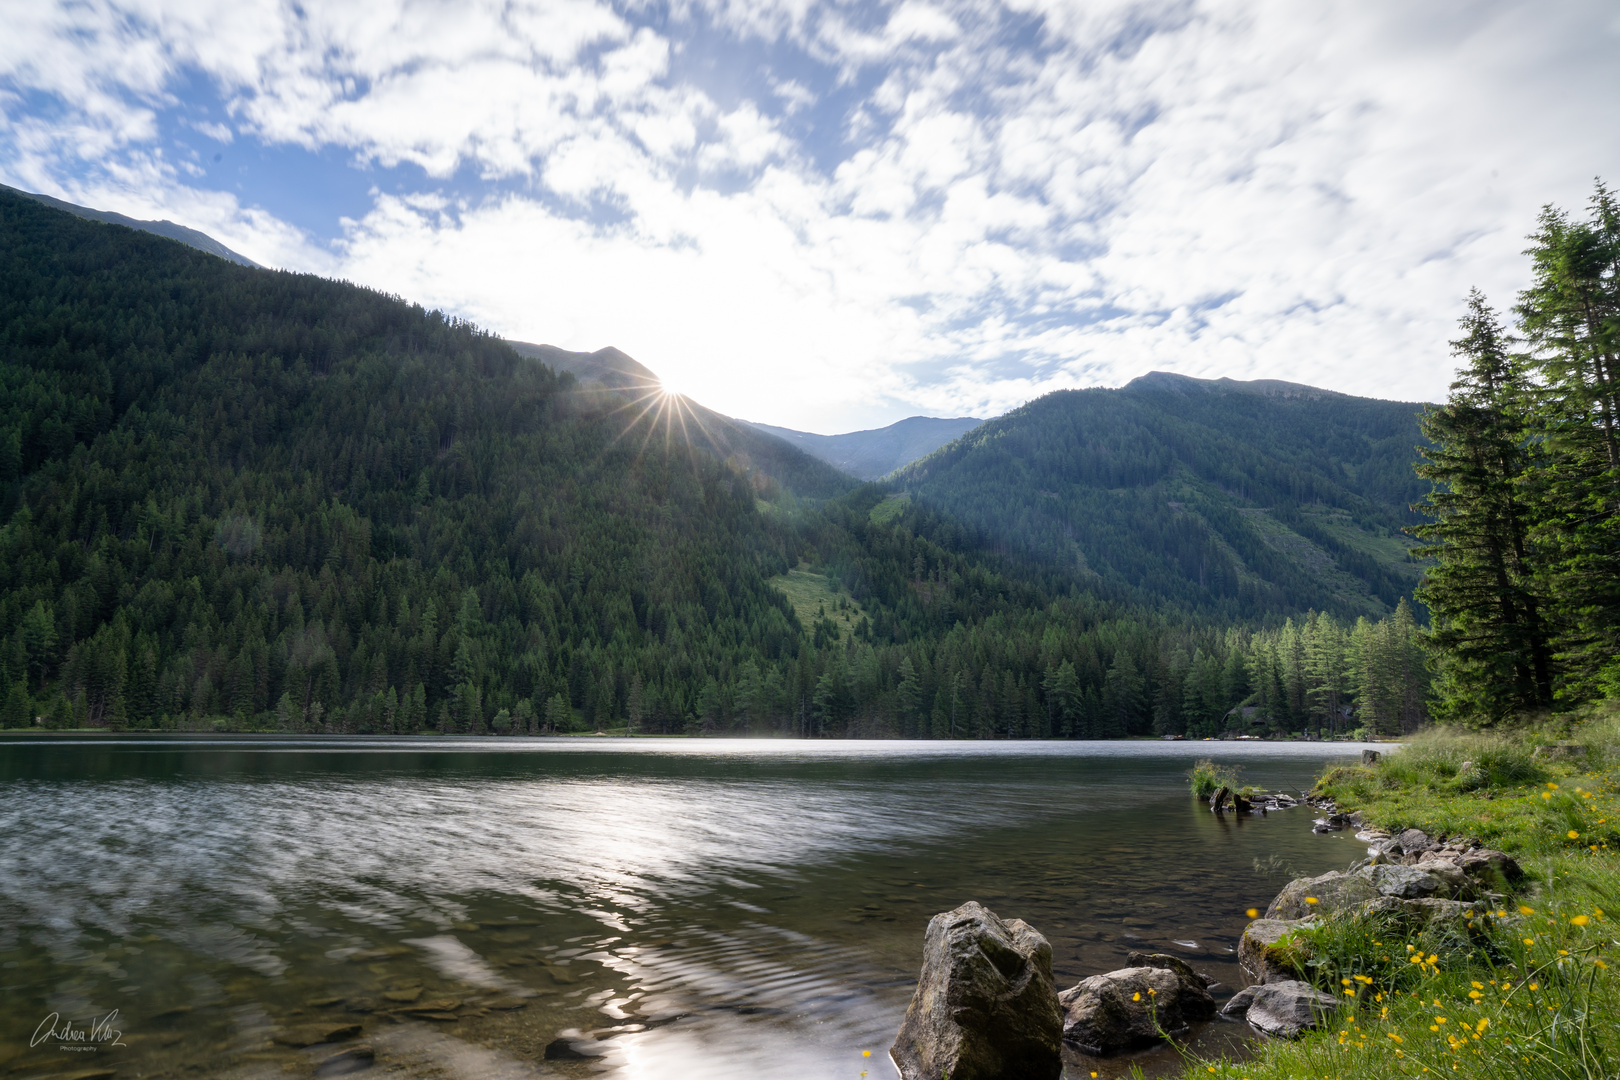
1570,316
1487,631
18,710
635,704
1063,693
559,715
1327,675
908,694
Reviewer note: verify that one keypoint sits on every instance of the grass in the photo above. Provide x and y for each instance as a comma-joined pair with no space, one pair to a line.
1528,991
889,509
1205,778
813,597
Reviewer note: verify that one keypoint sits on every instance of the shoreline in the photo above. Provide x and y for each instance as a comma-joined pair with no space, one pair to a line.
1466,983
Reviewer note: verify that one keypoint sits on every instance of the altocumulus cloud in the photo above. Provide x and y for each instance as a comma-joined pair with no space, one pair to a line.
833,215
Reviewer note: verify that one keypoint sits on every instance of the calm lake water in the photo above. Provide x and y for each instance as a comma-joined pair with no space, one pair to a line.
708,909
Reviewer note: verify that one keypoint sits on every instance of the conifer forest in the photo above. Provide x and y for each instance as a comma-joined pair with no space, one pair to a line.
250,500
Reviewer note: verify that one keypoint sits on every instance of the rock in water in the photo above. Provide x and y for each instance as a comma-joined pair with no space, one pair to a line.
1255,950
1136,1006
1282,1009
985,1007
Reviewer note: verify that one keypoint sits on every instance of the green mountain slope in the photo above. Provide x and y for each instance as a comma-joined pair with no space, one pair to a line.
877,452
190,237
1233,499
637,389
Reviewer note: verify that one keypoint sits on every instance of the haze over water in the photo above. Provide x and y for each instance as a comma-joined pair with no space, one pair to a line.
714,908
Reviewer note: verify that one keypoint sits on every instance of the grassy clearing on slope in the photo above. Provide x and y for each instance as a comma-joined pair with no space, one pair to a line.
813,597
890,508
1529,991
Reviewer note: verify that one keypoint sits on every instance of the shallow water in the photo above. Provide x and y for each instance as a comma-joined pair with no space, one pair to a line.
677,908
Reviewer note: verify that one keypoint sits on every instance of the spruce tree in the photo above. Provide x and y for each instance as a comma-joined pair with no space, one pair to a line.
1570,316
1487,633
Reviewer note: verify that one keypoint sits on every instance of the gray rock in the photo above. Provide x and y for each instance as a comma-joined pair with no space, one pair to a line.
1491,868
316,1034
353,1060
1238,1006
985,1007
1413,841
1288,1009
1132,1007
1454,882
1455,915
1336,891
1194,985
1405,882
573,1050
1255,949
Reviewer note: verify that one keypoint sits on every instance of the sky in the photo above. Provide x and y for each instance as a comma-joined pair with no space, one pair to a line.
830,216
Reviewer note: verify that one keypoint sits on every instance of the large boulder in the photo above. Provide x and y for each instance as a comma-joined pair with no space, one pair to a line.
1336,891
1453,880
1135,1006
1491,868
1403,882
1258,952
1455,917
1194,982
985,1007
1284,1009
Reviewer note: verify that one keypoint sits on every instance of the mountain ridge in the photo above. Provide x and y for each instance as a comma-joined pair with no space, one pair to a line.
614,371
874,453
165,228
1220,496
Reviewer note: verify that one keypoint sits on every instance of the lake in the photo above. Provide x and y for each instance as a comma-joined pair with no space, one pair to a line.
666,908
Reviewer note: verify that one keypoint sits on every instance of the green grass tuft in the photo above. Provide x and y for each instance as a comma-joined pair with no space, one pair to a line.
1206,778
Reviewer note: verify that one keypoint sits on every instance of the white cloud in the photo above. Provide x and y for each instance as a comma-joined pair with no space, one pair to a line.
948,207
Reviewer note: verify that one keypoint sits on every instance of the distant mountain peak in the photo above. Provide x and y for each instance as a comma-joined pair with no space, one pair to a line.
609,367
877,452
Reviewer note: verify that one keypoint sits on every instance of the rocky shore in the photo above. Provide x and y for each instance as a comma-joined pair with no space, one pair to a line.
987,1008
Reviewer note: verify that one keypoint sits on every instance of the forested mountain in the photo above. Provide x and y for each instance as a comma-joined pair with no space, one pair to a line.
635,389
190,237
875,453
233,498
1237,500
609,367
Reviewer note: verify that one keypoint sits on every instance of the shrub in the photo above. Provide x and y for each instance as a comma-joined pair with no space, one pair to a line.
1206,778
